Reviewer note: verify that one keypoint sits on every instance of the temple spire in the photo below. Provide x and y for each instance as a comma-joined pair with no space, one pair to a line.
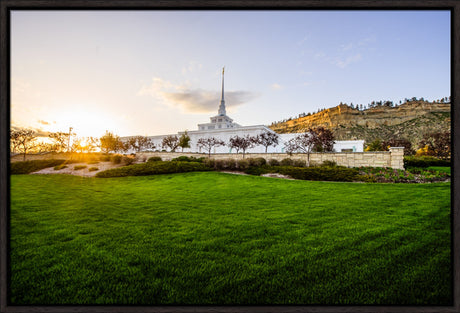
222,101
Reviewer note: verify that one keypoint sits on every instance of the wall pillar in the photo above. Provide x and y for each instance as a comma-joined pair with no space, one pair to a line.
397,157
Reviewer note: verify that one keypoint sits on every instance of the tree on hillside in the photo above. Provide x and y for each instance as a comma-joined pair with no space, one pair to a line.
109,142
437,144
399,142
171,142
267,139
313,138
242,143
184,141
23,140
209,143
376,145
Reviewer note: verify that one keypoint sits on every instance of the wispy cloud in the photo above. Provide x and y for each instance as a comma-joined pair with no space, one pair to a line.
344,62
192,66
192,100
276,86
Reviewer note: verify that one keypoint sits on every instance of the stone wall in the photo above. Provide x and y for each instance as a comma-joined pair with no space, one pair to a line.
393,158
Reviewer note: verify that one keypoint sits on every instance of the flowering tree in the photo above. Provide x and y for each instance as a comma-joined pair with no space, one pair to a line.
209,143
267,139
23,140
314,139
242,143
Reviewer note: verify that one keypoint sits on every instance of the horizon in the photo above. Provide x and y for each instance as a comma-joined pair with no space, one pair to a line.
159,72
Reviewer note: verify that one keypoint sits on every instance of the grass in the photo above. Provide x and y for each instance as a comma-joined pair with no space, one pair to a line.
214,238
441,169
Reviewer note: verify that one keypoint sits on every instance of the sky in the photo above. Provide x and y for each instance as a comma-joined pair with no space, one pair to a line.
159,72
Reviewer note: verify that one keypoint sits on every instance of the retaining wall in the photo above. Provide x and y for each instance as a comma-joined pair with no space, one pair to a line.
393,158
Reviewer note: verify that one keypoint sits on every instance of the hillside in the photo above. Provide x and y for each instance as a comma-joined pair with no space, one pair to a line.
410,120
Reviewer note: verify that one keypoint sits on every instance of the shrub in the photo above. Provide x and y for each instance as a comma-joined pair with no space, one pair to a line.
116,159
154,168
224,164
188,159
424,161
320,173
105,158
27,167
92,169
79,167
328,163
209,162
273,162
299,163
60,167
257,161
92,162
154,159
286,162
128,160
256,170
242,164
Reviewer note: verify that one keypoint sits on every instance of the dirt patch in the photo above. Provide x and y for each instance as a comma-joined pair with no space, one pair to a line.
70,169
277,175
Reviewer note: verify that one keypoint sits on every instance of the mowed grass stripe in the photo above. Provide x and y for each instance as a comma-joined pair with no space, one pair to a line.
214,238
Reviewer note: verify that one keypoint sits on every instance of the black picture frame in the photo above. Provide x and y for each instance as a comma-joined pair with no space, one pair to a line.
7,5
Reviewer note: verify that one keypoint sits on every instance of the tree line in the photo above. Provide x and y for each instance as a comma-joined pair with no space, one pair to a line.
24,141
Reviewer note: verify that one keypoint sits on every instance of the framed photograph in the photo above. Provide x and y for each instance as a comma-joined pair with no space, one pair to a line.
229,157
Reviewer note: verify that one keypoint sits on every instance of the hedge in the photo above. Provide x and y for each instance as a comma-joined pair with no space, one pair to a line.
154,168
424,161
27,167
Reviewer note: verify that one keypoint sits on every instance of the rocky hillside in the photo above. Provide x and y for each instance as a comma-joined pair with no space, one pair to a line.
410,120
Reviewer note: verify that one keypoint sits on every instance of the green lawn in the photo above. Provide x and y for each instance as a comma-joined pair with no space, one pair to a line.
214,238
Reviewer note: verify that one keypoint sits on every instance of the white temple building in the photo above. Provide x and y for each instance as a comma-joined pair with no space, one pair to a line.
222,127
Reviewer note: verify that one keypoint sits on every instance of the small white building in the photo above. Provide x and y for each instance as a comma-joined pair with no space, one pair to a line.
222,127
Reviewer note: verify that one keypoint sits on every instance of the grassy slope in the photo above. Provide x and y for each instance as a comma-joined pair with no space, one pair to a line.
202,238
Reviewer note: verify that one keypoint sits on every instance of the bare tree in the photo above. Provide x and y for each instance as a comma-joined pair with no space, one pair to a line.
60,140
267,139
171,142
24,140
209,143
313,139
242,143
139,143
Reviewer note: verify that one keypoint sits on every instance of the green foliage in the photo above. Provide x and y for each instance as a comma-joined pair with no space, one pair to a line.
79,167
328,163
27,167
257,161
299,163
127,160
188,159
424,161
410,175
273,162
224,164
92,169
115,159
153,168
60,167
339,174
242,164
213,238
286,162
154,159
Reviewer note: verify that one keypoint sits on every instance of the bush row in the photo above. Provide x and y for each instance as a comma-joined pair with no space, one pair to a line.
153,168
27,167
424,161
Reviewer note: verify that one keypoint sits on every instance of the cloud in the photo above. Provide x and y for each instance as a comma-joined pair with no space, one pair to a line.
193,100
38,131
342,63
192,67
276,86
